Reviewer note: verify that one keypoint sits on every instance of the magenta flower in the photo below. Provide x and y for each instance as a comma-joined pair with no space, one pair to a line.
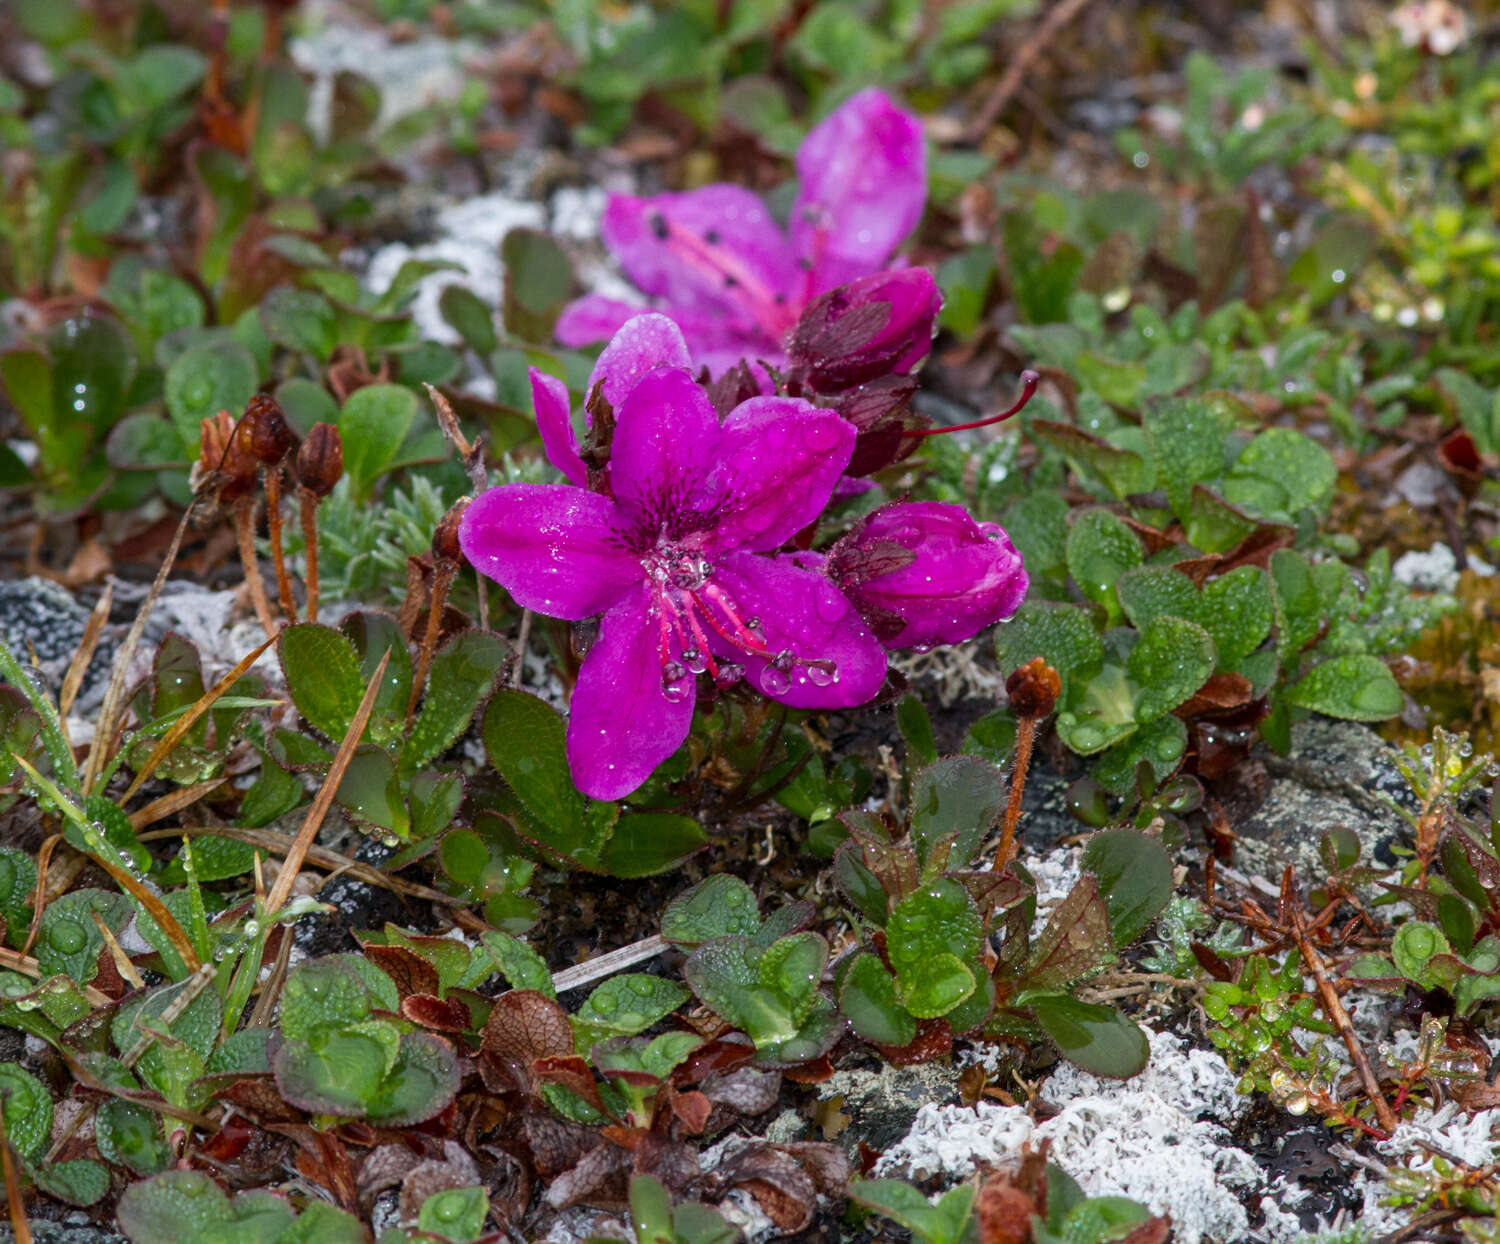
922,573
877,326
678,563
717,263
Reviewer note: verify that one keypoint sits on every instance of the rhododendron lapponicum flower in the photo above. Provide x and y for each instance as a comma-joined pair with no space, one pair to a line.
678,561
716,261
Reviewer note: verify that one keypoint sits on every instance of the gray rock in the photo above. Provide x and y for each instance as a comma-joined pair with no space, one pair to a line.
882,1103
63,1233
1338,773
38,615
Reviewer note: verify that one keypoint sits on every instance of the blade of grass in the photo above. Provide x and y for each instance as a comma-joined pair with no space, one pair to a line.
86,646
117,953
186,722
173,801
324,800
39,896
118,868
114,695
54,740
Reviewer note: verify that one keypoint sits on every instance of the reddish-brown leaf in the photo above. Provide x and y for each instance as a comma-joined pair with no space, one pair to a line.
934,1039
412,973
438,1014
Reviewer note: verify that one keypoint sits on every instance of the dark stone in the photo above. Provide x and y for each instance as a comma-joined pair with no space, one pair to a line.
1338,773
882,1101
37,614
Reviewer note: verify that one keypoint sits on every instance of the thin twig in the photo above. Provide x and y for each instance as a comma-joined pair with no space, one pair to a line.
1058,16
442,580
86,646
1333,1007
114,694
324,800
607,965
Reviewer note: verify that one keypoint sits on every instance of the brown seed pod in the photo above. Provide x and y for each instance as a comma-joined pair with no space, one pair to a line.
224,466
1033,689
320,460
445,546
265,433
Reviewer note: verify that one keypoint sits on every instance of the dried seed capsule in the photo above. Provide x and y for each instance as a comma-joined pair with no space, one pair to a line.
320,460
445,546
267,435
1033,689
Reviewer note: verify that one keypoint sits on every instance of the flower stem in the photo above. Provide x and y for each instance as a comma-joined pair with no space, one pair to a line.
1029,382
244,529
310,502
1009,847
278,557
442,579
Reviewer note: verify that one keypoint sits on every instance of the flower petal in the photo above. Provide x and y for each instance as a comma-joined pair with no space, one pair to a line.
863,171
715,250
779,461
554,420
593,318
553,547
642,344
666,440
801,610
620,725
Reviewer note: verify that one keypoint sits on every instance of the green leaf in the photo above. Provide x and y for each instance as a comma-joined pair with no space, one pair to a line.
69,941
958,797
421,1084
1101,547
646,843
129,1135
916,728
464,671
538,283
300,320
470,318
1063,635
1235,609
1173,658
943,1223
93,364
1135,878
322,675
212,376
455,1214
1280,473
373,423
1357,687
1160,743
371,791
27,1109
718,906
524,739
1096,1038
1186,437
306,402
1121,471
867,996
932,939
625,1005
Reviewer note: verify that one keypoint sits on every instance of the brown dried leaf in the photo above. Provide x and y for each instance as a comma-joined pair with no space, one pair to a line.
523,1026
600,1179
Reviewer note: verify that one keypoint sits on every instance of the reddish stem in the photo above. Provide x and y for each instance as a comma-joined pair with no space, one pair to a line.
1025,733
1029,382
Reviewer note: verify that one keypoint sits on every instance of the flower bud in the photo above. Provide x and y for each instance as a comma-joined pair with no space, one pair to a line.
1033,689
875,326
264,430
445,546
923,573
320,460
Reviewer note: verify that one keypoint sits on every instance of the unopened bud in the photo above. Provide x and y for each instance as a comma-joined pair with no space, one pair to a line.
445,546
876,326
266,433
320,460
1033,689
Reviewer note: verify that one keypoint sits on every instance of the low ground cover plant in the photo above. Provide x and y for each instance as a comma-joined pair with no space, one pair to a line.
650,675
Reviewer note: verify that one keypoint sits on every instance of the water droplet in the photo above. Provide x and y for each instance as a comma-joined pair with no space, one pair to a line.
773,681
729,674
822,673
694,660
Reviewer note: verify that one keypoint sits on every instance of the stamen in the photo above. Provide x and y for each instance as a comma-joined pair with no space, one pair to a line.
1029,382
